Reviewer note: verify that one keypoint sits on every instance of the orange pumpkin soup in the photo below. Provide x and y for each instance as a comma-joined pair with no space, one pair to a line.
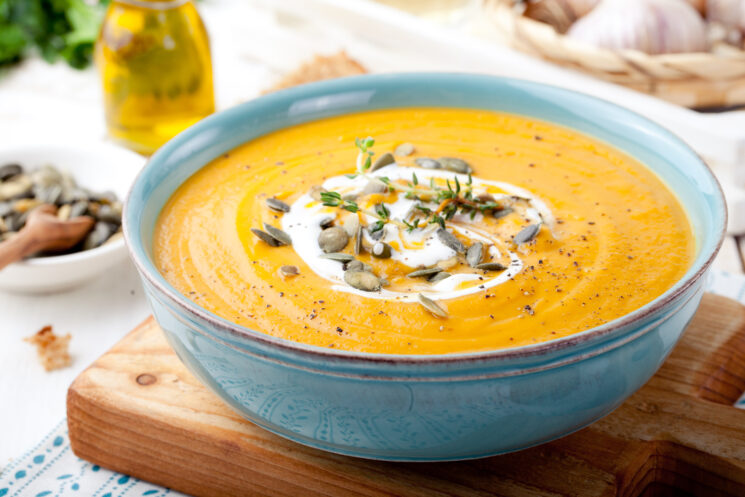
448,230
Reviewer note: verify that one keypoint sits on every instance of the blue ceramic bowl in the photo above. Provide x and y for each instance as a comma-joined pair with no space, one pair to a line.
425,408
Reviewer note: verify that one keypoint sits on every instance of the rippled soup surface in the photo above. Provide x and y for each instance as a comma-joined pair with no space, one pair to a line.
619,240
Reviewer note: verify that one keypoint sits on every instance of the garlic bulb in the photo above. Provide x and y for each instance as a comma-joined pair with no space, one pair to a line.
559,13
724,40
728,13
651,26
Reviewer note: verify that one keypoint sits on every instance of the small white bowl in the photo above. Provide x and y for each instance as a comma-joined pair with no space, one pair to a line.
97,166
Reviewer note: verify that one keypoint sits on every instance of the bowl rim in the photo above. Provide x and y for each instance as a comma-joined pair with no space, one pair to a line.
248,335
82,147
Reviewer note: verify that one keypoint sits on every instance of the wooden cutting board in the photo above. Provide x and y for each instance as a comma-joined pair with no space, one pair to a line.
138,411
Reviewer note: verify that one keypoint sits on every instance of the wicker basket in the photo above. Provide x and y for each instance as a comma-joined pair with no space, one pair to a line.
698,80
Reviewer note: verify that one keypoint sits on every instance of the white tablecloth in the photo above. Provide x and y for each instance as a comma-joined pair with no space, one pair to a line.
96,315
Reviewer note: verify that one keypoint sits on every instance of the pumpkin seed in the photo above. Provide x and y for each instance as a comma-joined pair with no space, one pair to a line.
93,208
108,213
498,214
474,254
338,256
428,163
485,197
279,235
518,198
351,197
266,237
374,186
358,241
25,204
362,280
77,194
431,306
354,265
491,266
439,277
376,235
276,204
350,224
20,220
333,239
405,149
21,192
63,212
116,236
99,234
17,187
289,271
79,208
67,180
46,176
107,197
382,161
315,192
527,234
49,194
454,164
9,170
66,197
424,272
448,263
382,250
450,241
327,222
16,220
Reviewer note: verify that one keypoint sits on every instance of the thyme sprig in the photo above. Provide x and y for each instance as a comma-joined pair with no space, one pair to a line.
436,204
381,212
365,154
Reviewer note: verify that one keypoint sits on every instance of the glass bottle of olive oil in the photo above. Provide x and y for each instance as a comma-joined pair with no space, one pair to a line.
156,70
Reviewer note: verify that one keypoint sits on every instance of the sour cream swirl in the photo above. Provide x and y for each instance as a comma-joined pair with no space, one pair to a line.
303,224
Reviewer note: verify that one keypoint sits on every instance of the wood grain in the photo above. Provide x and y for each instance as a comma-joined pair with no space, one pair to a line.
138,411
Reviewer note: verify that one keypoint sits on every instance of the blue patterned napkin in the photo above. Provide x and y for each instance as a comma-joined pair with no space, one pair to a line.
51,469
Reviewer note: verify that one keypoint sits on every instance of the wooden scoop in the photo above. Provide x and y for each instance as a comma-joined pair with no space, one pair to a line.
44,231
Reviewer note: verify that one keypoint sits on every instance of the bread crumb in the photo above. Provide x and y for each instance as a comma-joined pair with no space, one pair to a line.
51,349
320,68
